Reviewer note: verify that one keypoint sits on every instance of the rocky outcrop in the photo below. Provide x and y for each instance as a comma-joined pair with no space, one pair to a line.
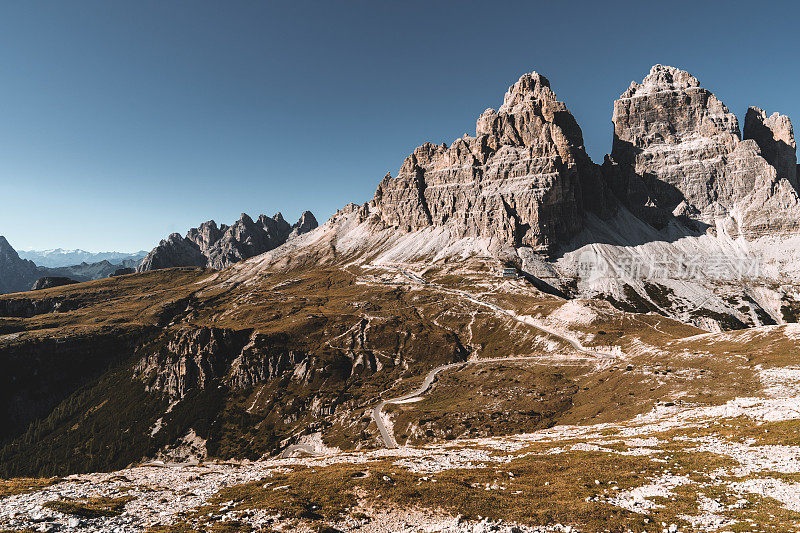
244,239
174,251
48,282
24,307
16,275
259,362
199,358
775,137
521,181
217,247
677,152
189,359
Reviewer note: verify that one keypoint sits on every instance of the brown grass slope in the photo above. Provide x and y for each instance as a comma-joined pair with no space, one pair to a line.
105,373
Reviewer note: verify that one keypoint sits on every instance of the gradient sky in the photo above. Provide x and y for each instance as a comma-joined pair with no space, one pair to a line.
123,122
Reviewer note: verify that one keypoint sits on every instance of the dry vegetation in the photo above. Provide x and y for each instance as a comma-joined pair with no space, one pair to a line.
490,399
536,486
90,507
23,485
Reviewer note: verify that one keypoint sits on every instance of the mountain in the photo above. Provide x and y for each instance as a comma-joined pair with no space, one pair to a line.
16,274
519,182
679,216
563,343
774,136
59,257
84,271
219,247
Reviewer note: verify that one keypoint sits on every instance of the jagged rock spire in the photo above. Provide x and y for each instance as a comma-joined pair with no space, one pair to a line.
219,247
516,183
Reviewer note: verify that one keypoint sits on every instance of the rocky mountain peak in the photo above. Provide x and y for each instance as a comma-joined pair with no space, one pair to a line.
16,274
670,107
7,252
662,78
531,114
176,237
774,135
204,235
678,149
516,183
306,223
530,89
5,247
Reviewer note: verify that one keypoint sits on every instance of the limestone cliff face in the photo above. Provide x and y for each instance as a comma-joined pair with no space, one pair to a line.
218,247
677,151
518,182
174,251
775,137
306,223
189,359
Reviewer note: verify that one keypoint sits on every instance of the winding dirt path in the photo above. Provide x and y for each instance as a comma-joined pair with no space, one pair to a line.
377,412
575,343
430,378
387,436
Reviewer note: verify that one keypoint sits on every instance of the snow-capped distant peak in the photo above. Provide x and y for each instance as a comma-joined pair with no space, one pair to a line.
59,257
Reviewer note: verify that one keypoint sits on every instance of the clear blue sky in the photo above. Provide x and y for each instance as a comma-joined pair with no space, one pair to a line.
124,121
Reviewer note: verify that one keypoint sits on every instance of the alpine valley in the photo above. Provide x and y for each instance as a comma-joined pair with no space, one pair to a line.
508,336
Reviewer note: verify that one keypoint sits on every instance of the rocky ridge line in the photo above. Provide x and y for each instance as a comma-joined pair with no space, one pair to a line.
218,247
525,182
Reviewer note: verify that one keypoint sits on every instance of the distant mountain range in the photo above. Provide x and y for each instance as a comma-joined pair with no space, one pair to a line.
59,257
206,246
19,274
